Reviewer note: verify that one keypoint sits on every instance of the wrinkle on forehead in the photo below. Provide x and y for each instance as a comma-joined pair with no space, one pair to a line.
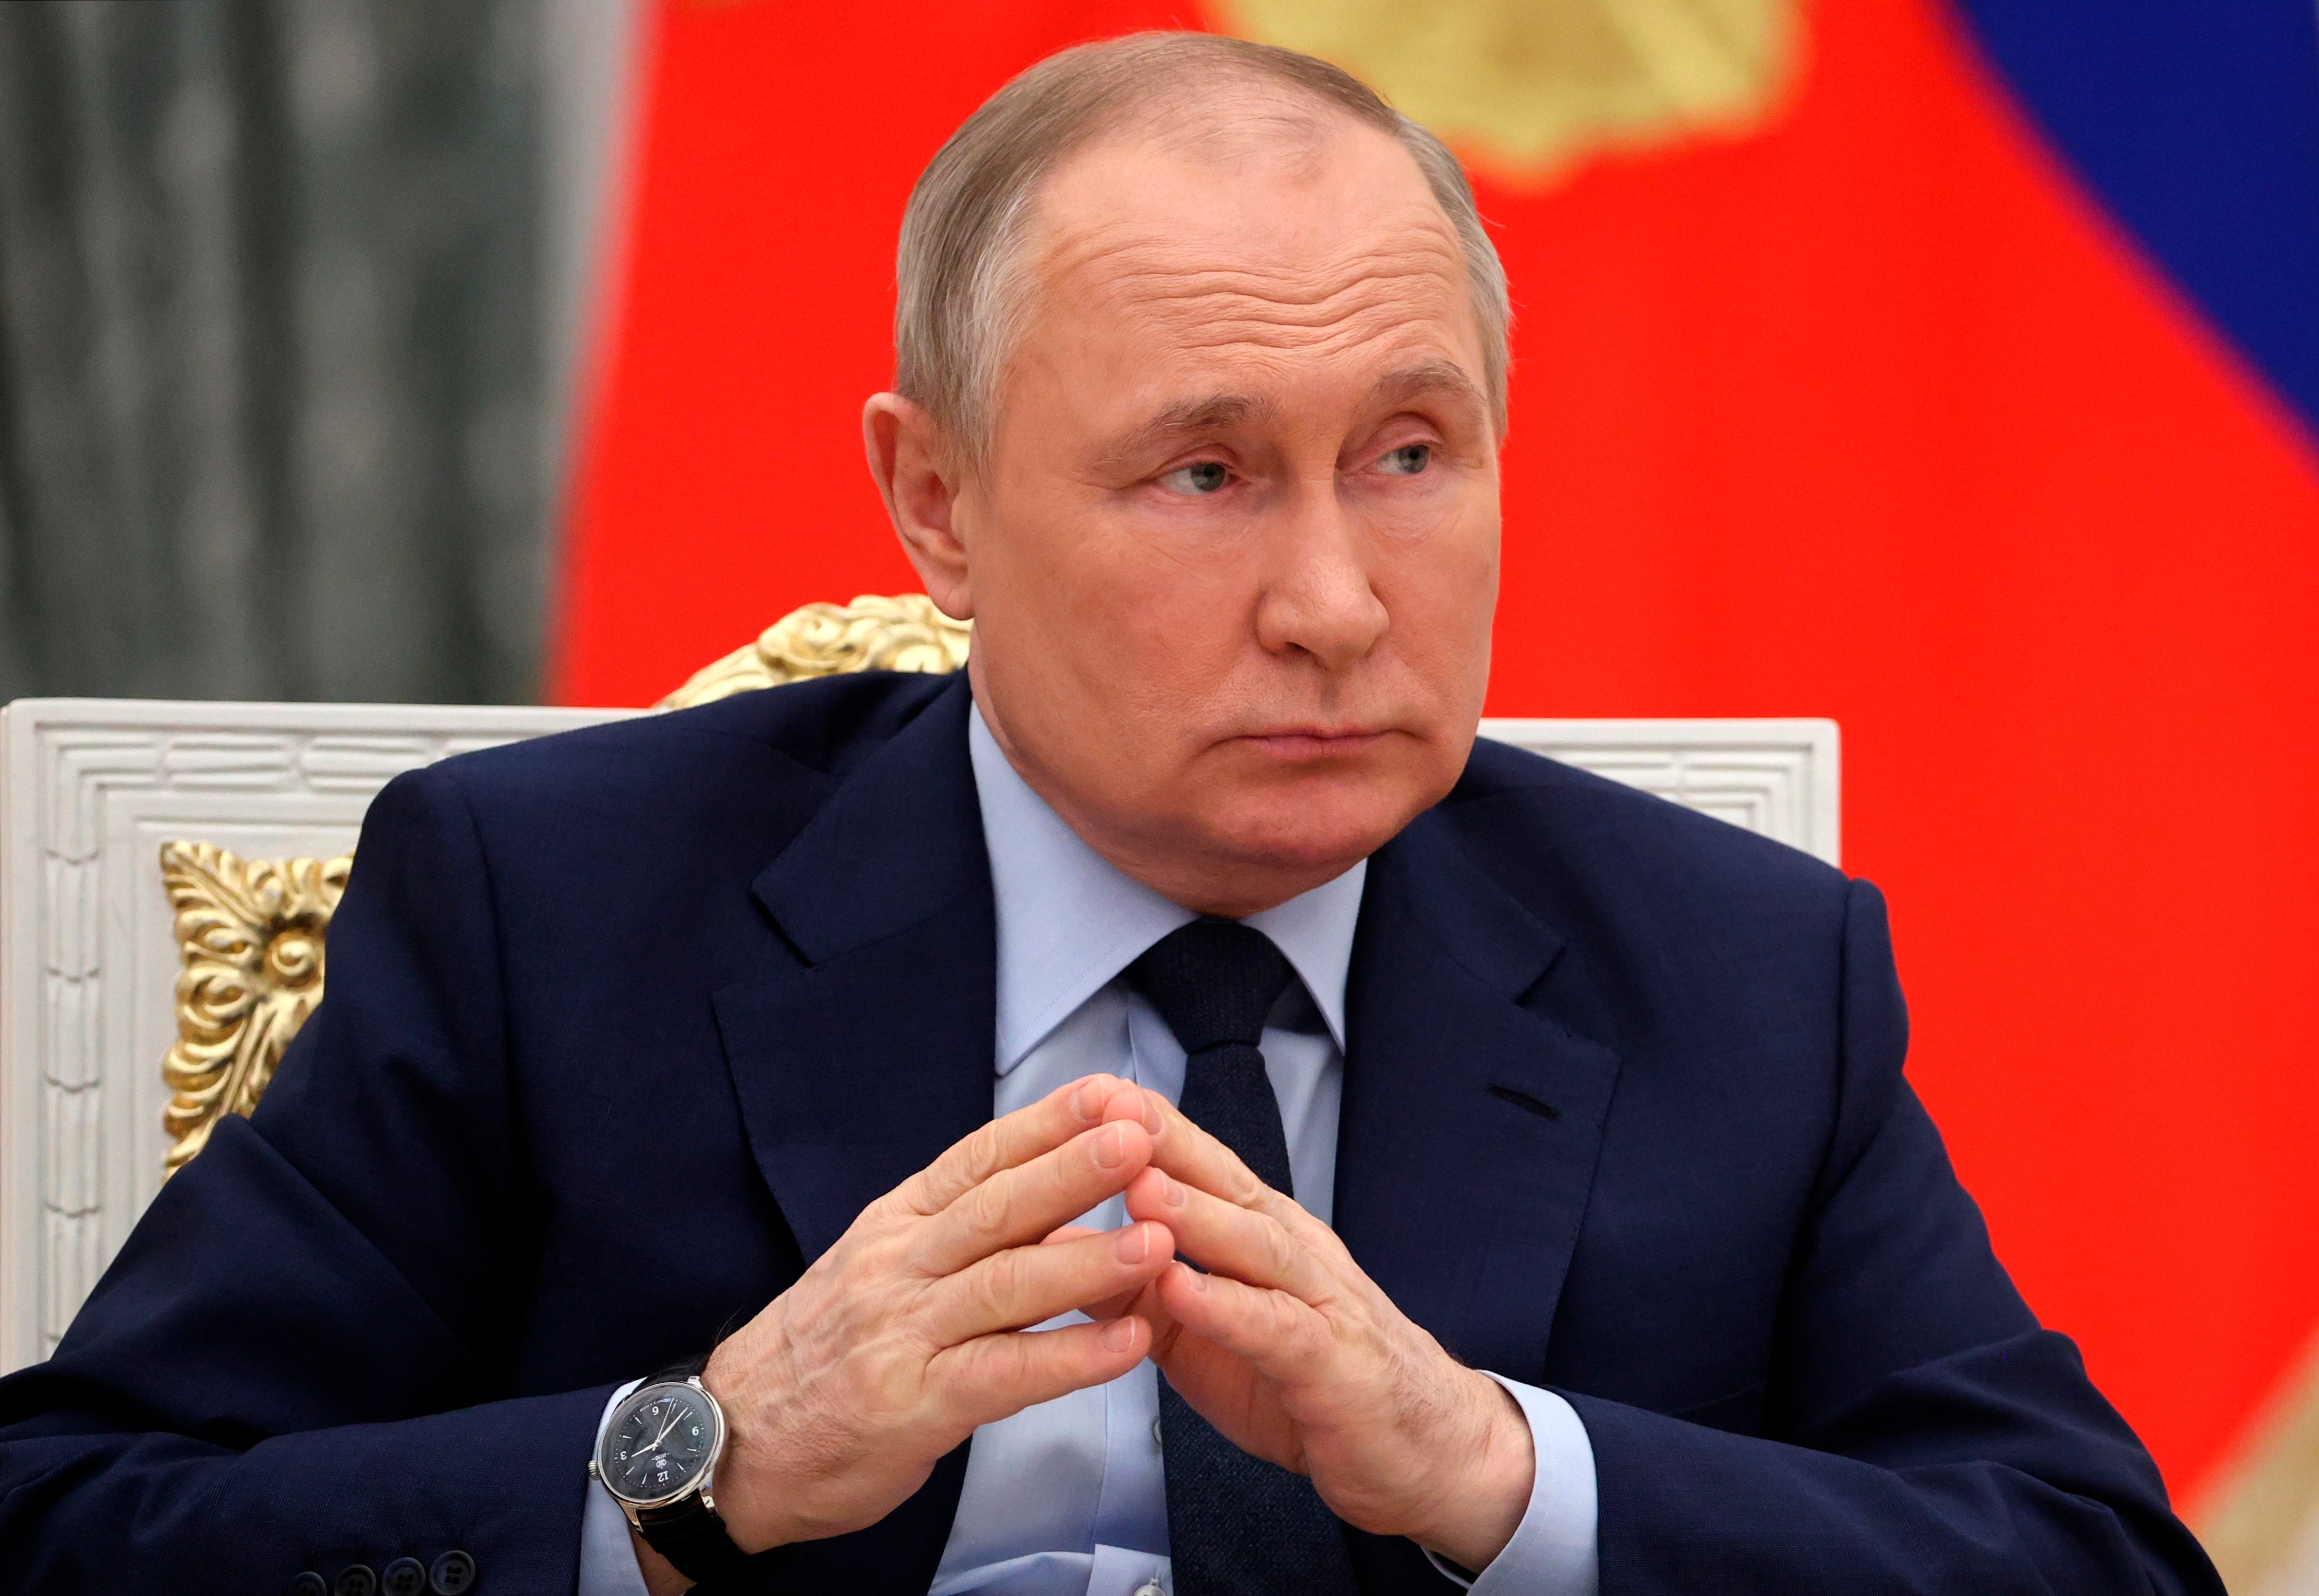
1198,299
1296,249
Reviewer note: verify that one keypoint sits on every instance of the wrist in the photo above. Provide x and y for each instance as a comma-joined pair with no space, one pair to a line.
739,1503
659,1452
1478,1516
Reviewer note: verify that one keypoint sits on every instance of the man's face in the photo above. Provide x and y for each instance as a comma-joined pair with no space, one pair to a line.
1234,557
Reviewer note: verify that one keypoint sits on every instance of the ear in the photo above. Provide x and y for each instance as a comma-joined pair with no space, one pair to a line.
915,462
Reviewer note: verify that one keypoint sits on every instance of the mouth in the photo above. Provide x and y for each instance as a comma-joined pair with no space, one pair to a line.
1301,743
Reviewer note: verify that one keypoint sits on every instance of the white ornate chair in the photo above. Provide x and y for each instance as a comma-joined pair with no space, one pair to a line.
167,872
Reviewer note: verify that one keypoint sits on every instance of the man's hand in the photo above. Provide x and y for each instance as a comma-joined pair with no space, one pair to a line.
1295,1355
901,1338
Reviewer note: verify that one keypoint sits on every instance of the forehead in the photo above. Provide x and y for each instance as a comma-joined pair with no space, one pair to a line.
1270,243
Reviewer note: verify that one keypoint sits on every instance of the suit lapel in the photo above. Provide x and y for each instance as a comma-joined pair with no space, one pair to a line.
1470,1125
872,1051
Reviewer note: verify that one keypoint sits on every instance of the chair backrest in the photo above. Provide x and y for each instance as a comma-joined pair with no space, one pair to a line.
91,791
168,871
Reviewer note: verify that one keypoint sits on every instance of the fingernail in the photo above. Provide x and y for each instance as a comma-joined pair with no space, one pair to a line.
1199,1281
1087,1101
1133,1245
1119,1335
1171,1194
1152,1118
1111,1148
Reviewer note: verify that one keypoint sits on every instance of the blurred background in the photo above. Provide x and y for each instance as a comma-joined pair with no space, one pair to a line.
1949,367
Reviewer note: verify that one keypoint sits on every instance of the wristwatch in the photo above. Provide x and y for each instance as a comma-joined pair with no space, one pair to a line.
657,1454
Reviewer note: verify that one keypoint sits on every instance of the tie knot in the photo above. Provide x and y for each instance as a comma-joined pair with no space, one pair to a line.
1212,981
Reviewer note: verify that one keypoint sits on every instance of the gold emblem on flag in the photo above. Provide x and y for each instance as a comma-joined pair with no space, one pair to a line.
1526,88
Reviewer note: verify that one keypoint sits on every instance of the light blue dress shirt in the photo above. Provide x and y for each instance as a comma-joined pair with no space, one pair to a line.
1068,1498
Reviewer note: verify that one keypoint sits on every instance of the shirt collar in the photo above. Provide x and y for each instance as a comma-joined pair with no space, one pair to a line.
1069,919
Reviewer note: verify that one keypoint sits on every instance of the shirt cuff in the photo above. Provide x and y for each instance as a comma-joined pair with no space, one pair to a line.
1552,1552
608,1557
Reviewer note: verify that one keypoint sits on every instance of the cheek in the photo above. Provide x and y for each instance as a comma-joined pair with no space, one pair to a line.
1443,594
1138,602
1091,626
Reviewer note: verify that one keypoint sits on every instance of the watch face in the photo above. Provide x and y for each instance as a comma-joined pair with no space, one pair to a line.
660,1442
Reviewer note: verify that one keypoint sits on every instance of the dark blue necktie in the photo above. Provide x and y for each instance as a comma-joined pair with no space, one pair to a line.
1237,1526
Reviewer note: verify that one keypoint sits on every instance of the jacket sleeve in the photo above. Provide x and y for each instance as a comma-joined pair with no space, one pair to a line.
1923,1434
303,1357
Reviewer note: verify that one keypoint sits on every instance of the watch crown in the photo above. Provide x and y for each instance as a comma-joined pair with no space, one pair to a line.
592,1473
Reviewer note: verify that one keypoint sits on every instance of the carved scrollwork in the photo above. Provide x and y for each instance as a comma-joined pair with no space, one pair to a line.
874,633
251,934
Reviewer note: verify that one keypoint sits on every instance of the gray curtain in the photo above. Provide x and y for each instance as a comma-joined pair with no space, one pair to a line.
281,403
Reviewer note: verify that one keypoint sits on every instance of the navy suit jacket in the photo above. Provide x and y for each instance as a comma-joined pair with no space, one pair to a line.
627,1026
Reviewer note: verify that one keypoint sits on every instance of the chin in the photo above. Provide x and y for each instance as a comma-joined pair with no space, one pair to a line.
1319,833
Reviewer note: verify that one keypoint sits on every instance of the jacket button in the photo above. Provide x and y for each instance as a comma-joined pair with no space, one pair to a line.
356,1579
309,1583
454,1572
404,1577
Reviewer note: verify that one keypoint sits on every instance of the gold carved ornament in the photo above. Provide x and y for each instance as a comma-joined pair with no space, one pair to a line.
1526,88
873,633
252,933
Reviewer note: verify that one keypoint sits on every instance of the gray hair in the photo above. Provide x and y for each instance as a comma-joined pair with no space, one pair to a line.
960,300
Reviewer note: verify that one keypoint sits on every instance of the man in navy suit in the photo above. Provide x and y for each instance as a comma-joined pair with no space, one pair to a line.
1169,1111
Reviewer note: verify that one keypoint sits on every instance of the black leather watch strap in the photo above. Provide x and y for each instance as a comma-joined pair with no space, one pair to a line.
689,1534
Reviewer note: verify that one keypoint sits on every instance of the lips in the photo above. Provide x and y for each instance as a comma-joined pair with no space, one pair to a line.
1312,742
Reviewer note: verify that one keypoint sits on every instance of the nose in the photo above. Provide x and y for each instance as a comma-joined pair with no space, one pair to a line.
1319,599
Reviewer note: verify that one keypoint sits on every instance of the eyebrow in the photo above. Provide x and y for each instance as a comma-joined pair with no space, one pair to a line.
1431,377
1191,417
1186,417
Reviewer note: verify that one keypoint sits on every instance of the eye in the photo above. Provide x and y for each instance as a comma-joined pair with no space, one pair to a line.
1199,479
1407,460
